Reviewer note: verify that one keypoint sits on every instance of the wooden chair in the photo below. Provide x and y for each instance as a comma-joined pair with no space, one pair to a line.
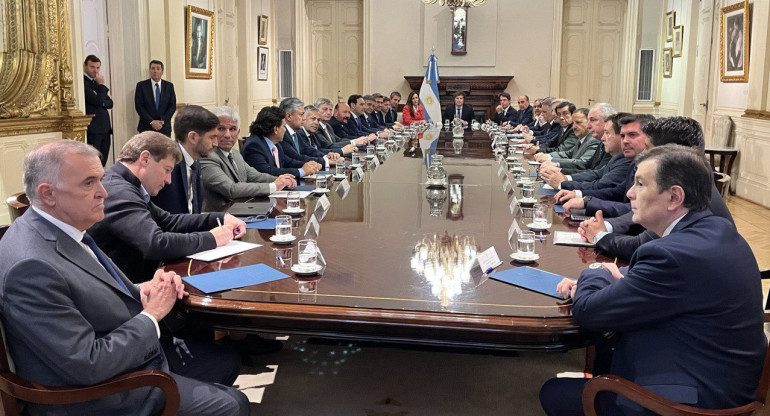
722,159
665,407
14,388
17,204
722,182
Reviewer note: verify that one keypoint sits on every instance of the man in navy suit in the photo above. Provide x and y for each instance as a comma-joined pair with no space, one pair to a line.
686,311
504,113
356,123
312,136
524,115
195,129
392,113
459,109
293,145
326,133
97,103
340,124
155,101
264,152
548,131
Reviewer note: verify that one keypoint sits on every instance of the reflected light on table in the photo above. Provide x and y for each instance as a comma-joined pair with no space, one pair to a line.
445,262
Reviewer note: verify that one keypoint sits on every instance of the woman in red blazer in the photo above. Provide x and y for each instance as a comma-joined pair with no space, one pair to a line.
413,111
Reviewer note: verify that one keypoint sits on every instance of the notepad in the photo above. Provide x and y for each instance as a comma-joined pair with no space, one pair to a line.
234,278
233,247
566,238
535,280
268,224
543,191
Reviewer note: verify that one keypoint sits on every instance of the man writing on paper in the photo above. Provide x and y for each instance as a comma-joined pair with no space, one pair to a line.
70,315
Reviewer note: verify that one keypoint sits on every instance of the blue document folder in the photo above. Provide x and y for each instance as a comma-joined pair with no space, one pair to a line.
234,278
542,191
559,209
268,224
533,279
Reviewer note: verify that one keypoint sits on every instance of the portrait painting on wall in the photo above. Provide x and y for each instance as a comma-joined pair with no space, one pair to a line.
734,43
670,23
668,62
262,62
199,43
459,30
262,30
678,39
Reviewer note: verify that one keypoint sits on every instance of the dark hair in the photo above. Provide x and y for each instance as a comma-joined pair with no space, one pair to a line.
354,98
267,120
678,130
91,58
569,105
385,98
506,95
193,118
159,146
459,94
155,61
583,110
642,119
395,93
615,119
681,166
409,103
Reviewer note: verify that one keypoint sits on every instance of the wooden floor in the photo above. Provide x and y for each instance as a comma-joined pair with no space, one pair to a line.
753,222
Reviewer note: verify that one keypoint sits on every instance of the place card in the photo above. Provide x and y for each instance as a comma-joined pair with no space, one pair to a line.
313,227
506,183
343,188
322,207
501,169
513,229
514,204
376,161
489,260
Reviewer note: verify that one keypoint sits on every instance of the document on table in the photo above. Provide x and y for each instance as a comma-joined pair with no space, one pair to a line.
234,278
532,162
323,172
284,194
536,280
233,247
566,238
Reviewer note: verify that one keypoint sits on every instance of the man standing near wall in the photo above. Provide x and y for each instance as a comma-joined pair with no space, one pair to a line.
155,101
97,103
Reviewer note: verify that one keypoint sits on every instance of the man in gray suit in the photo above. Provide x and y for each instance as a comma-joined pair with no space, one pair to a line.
581,152
71,317
226,176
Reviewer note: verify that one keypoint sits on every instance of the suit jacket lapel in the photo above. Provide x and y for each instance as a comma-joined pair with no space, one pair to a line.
233,174
185,179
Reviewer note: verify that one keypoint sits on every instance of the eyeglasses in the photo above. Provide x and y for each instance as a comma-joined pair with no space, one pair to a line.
255,218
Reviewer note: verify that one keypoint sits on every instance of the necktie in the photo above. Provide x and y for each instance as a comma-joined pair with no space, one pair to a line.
275,156
157,95
457,112
235,167
358,123
194,181
326,133
89,241
296,141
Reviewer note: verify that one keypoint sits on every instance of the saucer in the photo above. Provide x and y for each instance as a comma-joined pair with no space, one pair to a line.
293,211
299,270
340,176
277,240
321,191
535,227
522,258
370,157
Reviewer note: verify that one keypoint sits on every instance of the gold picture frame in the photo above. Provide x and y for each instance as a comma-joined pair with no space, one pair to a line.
678,41
734,30
262,39
263,62
199,43
670,23
668,62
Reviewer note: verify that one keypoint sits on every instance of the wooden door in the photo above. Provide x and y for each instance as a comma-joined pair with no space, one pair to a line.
336,48
591,44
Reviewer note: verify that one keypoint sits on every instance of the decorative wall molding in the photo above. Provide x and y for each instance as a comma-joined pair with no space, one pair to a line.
752,172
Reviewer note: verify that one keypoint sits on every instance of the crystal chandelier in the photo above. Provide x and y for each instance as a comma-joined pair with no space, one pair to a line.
456,3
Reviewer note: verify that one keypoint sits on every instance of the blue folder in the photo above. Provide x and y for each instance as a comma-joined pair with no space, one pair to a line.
234,278
559,209
533,279
268,224
542,191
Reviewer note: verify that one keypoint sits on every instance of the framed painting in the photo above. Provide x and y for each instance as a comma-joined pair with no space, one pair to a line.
199,43
678,39
262,30
670,23
668,62
459,30
734,43
263,62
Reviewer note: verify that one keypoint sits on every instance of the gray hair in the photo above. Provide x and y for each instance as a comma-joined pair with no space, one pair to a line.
43,165
310,108
321,101
229,112
291,104
605,110
368,98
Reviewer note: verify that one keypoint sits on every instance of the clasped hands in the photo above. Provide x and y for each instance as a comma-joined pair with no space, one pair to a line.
157,124
159,294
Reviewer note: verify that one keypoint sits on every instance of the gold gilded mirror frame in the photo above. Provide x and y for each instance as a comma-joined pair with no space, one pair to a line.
36,71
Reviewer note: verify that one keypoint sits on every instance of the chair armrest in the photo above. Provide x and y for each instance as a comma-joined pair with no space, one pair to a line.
651,401
21,389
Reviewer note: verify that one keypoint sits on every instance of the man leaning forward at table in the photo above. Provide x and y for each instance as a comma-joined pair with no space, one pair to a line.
686,311
71,316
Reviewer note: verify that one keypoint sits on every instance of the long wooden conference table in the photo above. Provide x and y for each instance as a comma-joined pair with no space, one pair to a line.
397,257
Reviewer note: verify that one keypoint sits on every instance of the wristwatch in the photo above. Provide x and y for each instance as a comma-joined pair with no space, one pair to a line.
586,199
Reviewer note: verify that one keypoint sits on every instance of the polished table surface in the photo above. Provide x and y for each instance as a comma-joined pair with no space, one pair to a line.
373,287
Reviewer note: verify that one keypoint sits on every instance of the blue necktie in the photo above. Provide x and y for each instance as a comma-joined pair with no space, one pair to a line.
358,123
296,141
89,241
157,96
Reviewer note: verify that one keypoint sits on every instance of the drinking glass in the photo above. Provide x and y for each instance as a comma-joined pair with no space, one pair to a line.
526,243
355,159
542,216
528,192
292,201
369,151
340,170
283,257
308,252
320,182
458,146
283,226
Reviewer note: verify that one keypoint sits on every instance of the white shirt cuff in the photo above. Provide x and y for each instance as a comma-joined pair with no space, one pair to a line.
154,321
272,187
326,163
578,193
353,142
569,177
599,236
608,226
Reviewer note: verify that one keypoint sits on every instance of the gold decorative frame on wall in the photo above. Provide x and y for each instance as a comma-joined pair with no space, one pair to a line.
734,68
670,23
196,65
668,62
36,93
678,42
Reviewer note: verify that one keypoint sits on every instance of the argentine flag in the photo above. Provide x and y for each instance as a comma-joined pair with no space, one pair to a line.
429,91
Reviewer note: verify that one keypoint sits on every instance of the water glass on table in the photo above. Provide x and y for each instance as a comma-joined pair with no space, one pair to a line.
355,159
369,151
340,170
542,216
283,226
283,257
320,182
292,201
308,253
525,244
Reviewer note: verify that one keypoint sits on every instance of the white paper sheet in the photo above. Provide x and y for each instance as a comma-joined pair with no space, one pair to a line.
233,247
285,194
567,238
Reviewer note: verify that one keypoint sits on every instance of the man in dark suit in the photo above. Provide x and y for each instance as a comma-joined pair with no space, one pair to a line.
263,151
581,152
690,296
356,123
340,124
293,145
312,136
368,117
225,174
97,103
566,140
94,324
195,129
504,113
460,110
524,115
155,101
392,113
326,133
548,132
